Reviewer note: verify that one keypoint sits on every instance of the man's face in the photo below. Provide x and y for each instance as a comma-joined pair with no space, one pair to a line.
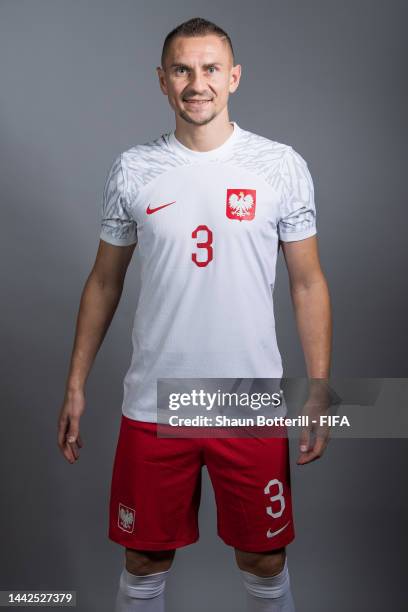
198,77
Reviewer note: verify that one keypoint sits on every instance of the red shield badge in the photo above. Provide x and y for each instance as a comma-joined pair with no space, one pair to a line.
126,518
241,204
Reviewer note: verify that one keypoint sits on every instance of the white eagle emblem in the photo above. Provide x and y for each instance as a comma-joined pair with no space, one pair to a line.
241,204
126,518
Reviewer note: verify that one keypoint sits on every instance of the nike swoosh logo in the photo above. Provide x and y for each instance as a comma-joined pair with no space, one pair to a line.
152,210
271,534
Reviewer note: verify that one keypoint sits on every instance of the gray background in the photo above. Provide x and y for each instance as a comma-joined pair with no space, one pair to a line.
78,85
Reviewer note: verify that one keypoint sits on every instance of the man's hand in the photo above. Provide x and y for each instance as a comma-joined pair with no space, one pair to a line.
317,405
69,438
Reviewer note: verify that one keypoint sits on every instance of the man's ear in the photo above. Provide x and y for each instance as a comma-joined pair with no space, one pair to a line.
235,78
162,81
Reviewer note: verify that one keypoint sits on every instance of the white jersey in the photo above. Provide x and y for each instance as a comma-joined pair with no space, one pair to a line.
207,226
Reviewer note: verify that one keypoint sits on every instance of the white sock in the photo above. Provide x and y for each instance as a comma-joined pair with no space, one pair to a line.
141,593
269,594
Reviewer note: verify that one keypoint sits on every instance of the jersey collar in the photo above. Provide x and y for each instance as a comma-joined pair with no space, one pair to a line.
205,155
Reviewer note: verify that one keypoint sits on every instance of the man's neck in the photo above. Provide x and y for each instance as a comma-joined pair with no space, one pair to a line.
204,138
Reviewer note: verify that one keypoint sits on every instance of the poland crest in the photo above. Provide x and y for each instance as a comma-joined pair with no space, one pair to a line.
241,204
126,518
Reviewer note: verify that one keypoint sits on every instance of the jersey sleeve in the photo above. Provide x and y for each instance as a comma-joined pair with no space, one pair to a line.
297,210
117,226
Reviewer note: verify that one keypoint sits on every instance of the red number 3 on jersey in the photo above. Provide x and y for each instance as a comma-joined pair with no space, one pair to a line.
203,245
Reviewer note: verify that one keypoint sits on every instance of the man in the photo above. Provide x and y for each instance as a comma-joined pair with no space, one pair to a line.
208,205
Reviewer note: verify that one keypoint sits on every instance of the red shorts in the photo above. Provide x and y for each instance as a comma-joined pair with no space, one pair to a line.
156,489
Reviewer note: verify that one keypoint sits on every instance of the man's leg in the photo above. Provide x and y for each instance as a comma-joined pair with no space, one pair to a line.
143,580
154,503
266,579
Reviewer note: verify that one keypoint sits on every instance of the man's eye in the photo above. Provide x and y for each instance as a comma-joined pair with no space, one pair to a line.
183,69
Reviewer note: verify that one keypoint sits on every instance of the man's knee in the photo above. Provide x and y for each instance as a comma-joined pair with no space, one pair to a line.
143,562
265,564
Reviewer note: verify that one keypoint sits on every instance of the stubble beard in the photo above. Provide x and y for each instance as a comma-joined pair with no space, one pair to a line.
184,115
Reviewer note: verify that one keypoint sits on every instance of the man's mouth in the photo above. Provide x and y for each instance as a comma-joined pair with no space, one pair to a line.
193,102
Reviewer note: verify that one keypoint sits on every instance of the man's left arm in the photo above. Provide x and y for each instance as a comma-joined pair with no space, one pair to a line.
312,307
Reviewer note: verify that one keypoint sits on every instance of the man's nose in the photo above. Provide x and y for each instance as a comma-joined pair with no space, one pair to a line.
197,81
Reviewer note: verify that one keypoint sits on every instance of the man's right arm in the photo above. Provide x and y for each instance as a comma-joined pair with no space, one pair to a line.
99,300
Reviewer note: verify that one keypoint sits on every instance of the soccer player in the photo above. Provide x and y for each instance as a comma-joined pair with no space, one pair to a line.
208,205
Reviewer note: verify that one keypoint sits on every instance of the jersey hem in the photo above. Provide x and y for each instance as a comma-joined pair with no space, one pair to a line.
140,416
292,236
116,241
